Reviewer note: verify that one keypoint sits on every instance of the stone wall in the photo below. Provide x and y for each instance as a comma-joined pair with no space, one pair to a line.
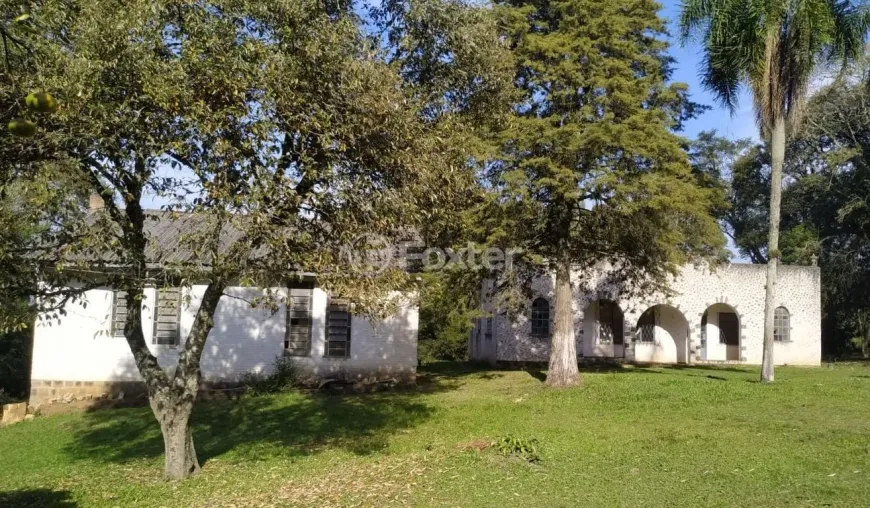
737,288
47,391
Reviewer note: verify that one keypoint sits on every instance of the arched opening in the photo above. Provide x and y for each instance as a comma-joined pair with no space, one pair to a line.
662,336
781,325
720,333
603,330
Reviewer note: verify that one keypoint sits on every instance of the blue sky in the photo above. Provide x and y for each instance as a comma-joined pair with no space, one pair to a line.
688,59
740,124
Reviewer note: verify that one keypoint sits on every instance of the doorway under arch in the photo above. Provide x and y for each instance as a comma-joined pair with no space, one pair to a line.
662,336
720,333
603,330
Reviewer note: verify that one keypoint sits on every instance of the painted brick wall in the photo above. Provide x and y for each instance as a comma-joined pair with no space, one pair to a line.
79,347
737,287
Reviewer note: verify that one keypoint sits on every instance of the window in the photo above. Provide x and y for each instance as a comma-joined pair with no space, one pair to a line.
167,317
488,334
540,317
781,325
119,313
646,326
297,330
338,320
704,330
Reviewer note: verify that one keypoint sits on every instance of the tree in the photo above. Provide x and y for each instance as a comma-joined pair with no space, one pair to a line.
824,210
773,47
590,170
35,199
277,132
447,313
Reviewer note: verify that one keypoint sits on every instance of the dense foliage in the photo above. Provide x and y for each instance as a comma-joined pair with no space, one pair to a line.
825,212
288,129
590,169
448,311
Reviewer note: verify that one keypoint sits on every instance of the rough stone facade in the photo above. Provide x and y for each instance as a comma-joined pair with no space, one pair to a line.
699,296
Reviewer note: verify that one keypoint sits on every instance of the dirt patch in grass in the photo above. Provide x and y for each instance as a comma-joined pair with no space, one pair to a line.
476,445
389,481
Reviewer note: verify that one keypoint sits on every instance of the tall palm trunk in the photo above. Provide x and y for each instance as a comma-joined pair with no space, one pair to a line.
563,352
777,148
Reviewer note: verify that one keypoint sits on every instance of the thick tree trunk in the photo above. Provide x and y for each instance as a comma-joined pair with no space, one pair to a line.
563,352
777,149
180,455
172,399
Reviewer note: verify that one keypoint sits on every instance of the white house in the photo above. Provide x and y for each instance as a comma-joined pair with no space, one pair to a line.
711,316
84,353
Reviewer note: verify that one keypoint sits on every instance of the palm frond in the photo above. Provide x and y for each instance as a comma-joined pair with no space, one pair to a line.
773,47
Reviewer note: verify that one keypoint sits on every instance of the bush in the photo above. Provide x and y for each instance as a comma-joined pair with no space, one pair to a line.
446,317
282,378
511,446
15,348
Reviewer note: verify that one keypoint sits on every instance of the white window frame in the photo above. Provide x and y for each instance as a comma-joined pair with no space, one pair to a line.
781,324
119,299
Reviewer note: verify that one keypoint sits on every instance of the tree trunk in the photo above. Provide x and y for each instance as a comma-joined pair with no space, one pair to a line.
172,400
180,455
563,351
865,345
777,149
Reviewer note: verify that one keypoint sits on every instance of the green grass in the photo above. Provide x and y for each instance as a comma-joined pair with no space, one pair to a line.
629,437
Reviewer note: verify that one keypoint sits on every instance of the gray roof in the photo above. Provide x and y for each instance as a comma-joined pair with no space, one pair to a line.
169,236
172,236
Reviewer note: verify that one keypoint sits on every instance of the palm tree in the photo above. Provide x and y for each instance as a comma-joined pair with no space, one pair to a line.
772,47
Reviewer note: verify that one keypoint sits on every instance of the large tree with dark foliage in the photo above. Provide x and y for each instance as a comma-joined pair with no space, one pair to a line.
286,129
590,169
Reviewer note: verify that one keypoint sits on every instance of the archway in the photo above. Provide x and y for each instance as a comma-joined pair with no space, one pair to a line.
720,333
662,336
603,330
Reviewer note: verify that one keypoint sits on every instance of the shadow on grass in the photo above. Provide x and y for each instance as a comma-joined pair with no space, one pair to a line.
288,424
37,498
540,373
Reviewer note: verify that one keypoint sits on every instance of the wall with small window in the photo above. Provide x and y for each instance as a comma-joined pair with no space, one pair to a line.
86,344
322,334
722,309
349,346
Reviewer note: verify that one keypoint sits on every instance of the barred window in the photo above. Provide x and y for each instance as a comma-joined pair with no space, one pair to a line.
167,318
540,317
488,334
646,326
119,313
297,332
781,325
338,327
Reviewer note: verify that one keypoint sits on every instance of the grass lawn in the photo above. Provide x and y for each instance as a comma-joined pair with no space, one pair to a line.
629,437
